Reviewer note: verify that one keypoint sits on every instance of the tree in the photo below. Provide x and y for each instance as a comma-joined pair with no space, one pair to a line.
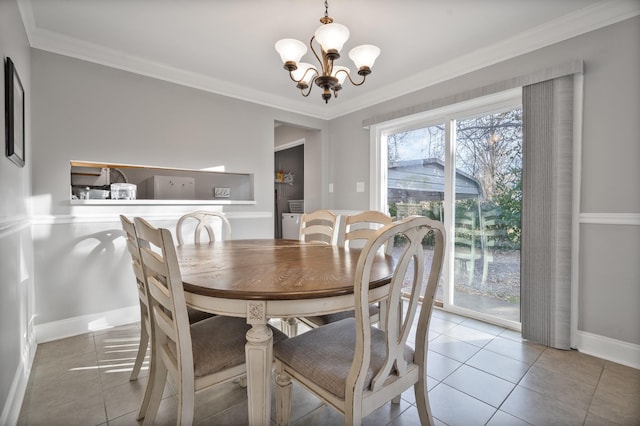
427,142
395,142
489,148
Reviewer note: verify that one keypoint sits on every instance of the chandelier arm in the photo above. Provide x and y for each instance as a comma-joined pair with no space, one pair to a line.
364,77
310,87
312,69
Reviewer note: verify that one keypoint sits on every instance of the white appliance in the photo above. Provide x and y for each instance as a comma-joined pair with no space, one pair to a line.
169,188
291,226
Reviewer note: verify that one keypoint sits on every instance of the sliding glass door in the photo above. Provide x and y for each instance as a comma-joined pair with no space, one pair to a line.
463,168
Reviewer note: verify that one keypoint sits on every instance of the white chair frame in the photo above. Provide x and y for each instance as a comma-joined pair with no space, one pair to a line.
396,374
320,225
356,228
360,227
171,335
203,217
145,320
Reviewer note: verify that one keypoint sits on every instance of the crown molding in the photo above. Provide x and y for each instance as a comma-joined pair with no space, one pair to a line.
67,46
568,26
583,21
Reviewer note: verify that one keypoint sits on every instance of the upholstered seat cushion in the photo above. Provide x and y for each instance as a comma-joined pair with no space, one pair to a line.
218,343
325,354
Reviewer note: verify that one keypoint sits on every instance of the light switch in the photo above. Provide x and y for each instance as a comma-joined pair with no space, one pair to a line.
330,187
359,186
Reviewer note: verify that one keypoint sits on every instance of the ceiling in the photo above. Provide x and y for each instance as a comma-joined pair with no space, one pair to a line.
227,46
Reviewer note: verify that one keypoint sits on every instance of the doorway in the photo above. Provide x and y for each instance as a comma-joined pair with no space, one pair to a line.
289,184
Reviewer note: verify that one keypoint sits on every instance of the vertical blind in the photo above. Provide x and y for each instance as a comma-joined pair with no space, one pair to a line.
546,212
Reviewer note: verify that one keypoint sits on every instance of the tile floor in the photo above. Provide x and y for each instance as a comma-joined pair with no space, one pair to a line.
478,374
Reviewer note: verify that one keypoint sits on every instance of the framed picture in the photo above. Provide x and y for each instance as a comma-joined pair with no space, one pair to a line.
14,113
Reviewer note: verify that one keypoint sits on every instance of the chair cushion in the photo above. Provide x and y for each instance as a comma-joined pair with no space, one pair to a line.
218,343
324,355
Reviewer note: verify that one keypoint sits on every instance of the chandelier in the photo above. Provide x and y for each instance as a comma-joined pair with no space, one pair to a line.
330,37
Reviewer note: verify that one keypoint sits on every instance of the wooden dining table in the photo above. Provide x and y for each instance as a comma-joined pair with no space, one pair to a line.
272,278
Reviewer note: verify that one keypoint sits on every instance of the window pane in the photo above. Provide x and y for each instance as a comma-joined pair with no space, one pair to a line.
487,214
415,182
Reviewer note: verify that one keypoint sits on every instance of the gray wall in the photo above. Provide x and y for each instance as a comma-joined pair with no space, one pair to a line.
88,112
609,269
91,112
17,346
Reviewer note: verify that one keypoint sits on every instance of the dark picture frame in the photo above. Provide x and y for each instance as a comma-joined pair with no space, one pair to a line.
14,114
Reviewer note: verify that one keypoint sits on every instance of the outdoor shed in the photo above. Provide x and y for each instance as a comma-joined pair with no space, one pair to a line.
414,181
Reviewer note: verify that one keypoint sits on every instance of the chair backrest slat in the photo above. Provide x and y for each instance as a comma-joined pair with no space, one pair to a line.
360,227
319,226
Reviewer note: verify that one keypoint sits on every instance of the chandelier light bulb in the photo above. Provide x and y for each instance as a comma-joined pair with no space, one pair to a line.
290,50
364,56
332,37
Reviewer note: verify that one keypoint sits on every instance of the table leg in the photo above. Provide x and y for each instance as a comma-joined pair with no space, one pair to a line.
259,356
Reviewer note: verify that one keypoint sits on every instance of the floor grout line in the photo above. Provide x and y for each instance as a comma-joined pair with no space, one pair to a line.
59,350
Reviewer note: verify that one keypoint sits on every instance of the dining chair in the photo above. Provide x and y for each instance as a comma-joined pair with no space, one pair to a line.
203,220
355,367
145,320
357,228
319,226
196,356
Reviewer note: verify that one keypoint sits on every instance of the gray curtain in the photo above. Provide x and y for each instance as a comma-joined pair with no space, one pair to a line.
546,212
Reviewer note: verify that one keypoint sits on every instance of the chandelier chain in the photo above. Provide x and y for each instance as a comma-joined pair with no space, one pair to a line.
326,8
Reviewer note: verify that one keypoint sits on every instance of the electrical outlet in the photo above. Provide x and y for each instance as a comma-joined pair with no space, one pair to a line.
221,192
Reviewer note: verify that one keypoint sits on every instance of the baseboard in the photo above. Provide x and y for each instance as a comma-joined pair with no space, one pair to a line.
610,349
86,323
13,404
